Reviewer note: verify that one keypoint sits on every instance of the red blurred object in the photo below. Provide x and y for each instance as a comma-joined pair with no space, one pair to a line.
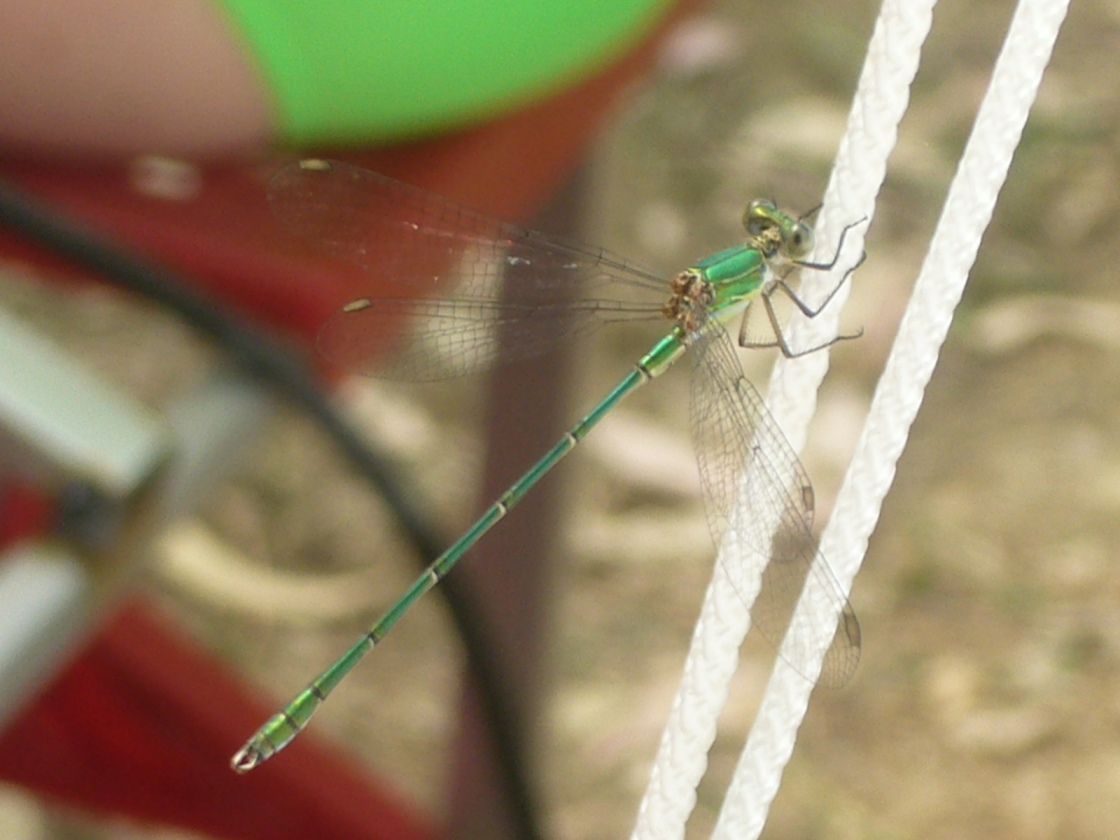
142,724
25,512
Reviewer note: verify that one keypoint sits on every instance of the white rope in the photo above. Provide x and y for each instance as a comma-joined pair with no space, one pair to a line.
714,653
880,101
968,210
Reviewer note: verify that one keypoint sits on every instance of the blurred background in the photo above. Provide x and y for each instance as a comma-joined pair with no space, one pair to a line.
987,701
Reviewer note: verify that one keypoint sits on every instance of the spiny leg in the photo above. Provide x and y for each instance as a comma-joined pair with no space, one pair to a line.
806,310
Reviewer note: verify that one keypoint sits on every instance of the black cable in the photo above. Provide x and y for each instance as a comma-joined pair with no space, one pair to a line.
264,357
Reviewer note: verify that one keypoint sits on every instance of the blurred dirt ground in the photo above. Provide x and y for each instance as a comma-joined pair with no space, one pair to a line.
987,702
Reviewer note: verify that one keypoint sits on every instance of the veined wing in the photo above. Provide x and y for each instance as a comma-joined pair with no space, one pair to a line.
440,267
735,434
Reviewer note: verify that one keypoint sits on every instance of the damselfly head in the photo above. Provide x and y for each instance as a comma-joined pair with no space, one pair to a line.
776,232
759,216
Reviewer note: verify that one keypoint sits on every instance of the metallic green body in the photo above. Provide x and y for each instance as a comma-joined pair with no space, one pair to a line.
713,290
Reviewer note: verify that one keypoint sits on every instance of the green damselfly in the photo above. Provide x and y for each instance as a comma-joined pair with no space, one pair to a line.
449,261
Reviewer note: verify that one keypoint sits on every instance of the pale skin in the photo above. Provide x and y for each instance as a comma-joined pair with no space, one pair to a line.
89,79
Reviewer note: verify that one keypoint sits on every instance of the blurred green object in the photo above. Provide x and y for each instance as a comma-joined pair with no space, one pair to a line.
355,71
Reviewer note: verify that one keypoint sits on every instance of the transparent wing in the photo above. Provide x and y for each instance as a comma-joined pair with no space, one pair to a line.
438,268
734,432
